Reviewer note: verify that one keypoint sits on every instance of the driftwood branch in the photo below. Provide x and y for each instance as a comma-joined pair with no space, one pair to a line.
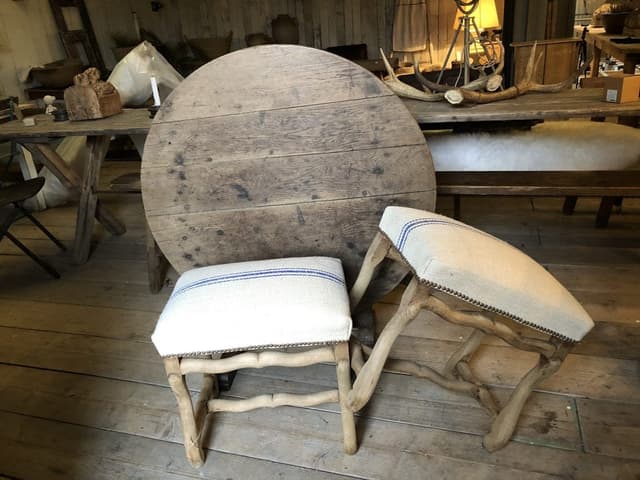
375,254
357,358
488,326
365,383
525,85
402,89
257,360
272,401
505,423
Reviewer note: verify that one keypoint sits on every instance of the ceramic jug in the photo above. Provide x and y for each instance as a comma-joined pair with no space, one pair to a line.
284,29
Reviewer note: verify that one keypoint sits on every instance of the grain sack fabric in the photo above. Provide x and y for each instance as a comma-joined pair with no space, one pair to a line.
298,301
478,268
410,32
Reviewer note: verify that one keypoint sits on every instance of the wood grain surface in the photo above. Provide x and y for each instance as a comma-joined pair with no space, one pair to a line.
128,122
84,393
278,151
586,102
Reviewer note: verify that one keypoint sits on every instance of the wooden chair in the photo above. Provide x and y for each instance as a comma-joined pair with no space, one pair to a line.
11,210
448,257
232,308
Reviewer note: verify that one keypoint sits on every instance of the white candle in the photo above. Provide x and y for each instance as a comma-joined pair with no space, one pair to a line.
154,90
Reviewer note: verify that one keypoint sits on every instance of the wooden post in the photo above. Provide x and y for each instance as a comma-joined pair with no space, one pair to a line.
604,212
157,264
97,146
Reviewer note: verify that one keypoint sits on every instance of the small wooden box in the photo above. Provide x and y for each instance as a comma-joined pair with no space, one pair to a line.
622,88
84,103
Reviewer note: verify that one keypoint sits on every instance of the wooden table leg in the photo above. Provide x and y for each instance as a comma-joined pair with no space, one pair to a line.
97,147
50,158
629,64
70,179
157,264
108,220
595,63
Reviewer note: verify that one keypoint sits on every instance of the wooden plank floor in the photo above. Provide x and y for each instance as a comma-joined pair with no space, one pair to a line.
83,394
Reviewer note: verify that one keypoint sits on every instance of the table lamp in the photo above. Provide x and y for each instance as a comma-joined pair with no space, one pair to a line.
472,18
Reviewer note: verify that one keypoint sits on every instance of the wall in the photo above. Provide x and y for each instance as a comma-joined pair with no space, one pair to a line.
321,23
542,19
28,36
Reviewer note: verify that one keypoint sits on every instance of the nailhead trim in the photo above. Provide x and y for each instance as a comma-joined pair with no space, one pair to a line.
253,348
475,302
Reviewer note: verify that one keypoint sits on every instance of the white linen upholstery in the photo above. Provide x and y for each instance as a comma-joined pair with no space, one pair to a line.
485,271
565,145
250,305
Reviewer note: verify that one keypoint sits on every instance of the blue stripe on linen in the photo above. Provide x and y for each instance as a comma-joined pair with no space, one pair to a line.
408,227
250,275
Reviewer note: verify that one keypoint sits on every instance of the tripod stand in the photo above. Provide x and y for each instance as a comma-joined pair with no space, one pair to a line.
472,36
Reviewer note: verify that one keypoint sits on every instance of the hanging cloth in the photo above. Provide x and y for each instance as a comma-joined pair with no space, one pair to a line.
410,31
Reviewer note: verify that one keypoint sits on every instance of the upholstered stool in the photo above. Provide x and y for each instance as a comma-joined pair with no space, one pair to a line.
467,264
262,305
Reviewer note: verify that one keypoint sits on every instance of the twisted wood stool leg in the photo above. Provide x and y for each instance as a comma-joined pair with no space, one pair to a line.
375,255
370,373
465,351
505,423
209,390
343,371
187,414
458,366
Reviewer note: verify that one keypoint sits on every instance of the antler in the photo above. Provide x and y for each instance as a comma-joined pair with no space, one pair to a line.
491,82
402,89
460,95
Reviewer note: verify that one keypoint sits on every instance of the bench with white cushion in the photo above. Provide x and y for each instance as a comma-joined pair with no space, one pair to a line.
250,312
457,262
561,158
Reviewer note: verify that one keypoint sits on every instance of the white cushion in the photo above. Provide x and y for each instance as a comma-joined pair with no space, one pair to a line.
566,145
250,305
485,271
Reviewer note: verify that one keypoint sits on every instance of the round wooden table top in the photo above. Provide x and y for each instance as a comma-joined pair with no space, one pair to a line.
276,151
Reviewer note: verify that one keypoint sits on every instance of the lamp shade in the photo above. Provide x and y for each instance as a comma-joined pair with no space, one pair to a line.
485,15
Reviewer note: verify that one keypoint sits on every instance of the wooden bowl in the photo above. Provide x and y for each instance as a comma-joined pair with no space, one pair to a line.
57,74
211,47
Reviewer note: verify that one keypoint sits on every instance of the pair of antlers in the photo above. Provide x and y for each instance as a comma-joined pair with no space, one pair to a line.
470,92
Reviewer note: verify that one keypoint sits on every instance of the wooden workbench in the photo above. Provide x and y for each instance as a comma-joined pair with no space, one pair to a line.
585,102
628,54
36,139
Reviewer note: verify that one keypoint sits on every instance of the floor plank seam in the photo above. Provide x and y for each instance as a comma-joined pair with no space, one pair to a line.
579,422
85,304
91,375
81,334
101,307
